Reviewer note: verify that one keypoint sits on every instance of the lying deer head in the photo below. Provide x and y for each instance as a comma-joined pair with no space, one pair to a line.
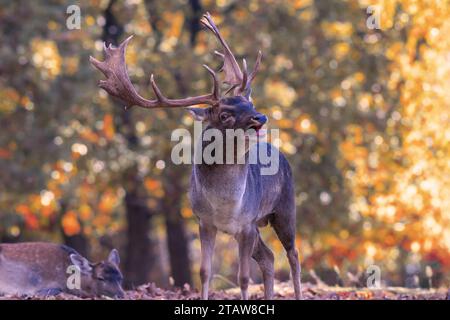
225,112
102,278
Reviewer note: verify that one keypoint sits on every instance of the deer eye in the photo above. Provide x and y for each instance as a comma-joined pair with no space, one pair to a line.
101,278
224,116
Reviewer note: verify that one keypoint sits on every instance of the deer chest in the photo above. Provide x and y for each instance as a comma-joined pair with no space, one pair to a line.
225,210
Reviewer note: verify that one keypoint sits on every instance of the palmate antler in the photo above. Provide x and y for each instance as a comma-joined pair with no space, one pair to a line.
118,83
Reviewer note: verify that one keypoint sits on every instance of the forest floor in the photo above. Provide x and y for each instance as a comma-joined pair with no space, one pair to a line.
283,291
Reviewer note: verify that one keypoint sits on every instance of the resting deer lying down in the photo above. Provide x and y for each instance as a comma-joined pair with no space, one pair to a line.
232,198
37,268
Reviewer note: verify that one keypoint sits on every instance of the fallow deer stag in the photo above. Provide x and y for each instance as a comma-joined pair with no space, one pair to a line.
232,198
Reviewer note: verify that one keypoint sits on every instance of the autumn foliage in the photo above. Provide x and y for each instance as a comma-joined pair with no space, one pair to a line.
363,116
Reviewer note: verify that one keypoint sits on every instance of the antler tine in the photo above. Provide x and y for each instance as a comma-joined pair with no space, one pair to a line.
216,86
155,88
247,88
118,83
220,54
256,67
244,77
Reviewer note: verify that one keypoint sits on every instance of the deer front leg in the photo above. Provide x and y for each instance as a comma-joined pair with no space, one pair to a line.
246,240
207,240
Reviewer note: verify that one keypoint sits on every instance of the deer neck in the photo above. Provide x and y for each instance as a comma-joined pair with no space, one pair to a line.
222,180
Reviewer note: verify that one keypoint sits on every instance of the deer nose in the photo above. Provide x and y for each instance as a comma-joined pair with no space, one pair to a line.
262,119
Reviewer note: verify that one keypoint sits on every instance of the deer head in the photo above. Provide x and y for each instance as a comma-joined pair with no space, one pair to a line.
103,278
224,112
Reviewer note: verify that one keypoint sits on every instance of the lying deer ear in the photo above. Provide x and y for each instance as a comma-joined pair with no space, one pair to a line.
114,257
199,114
81,263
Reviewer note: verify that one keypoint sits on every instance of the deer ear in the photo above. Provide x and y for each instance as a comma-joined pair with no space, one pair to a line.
81,263
114,257
199,114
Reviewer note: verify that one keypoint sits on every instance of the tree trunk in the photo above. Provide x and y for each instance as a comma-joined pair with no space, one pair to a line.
177,241
139,249
194,20
77,242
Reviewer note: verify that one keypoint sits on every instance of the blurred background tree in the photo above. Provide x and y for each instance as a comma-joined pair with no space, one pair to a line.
363,116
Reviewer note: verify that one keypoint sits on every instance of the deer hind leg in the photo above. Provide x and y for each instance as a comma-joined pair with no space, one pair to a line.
264,257
284,226
246,241
207,240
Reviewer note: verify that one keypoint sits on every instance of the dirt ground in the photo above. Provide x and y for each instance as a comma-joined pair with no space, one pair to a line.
282,291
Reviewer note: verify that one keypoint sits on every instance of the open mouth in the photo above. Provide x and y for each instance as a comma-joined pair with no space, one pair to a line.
258,127
255,126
